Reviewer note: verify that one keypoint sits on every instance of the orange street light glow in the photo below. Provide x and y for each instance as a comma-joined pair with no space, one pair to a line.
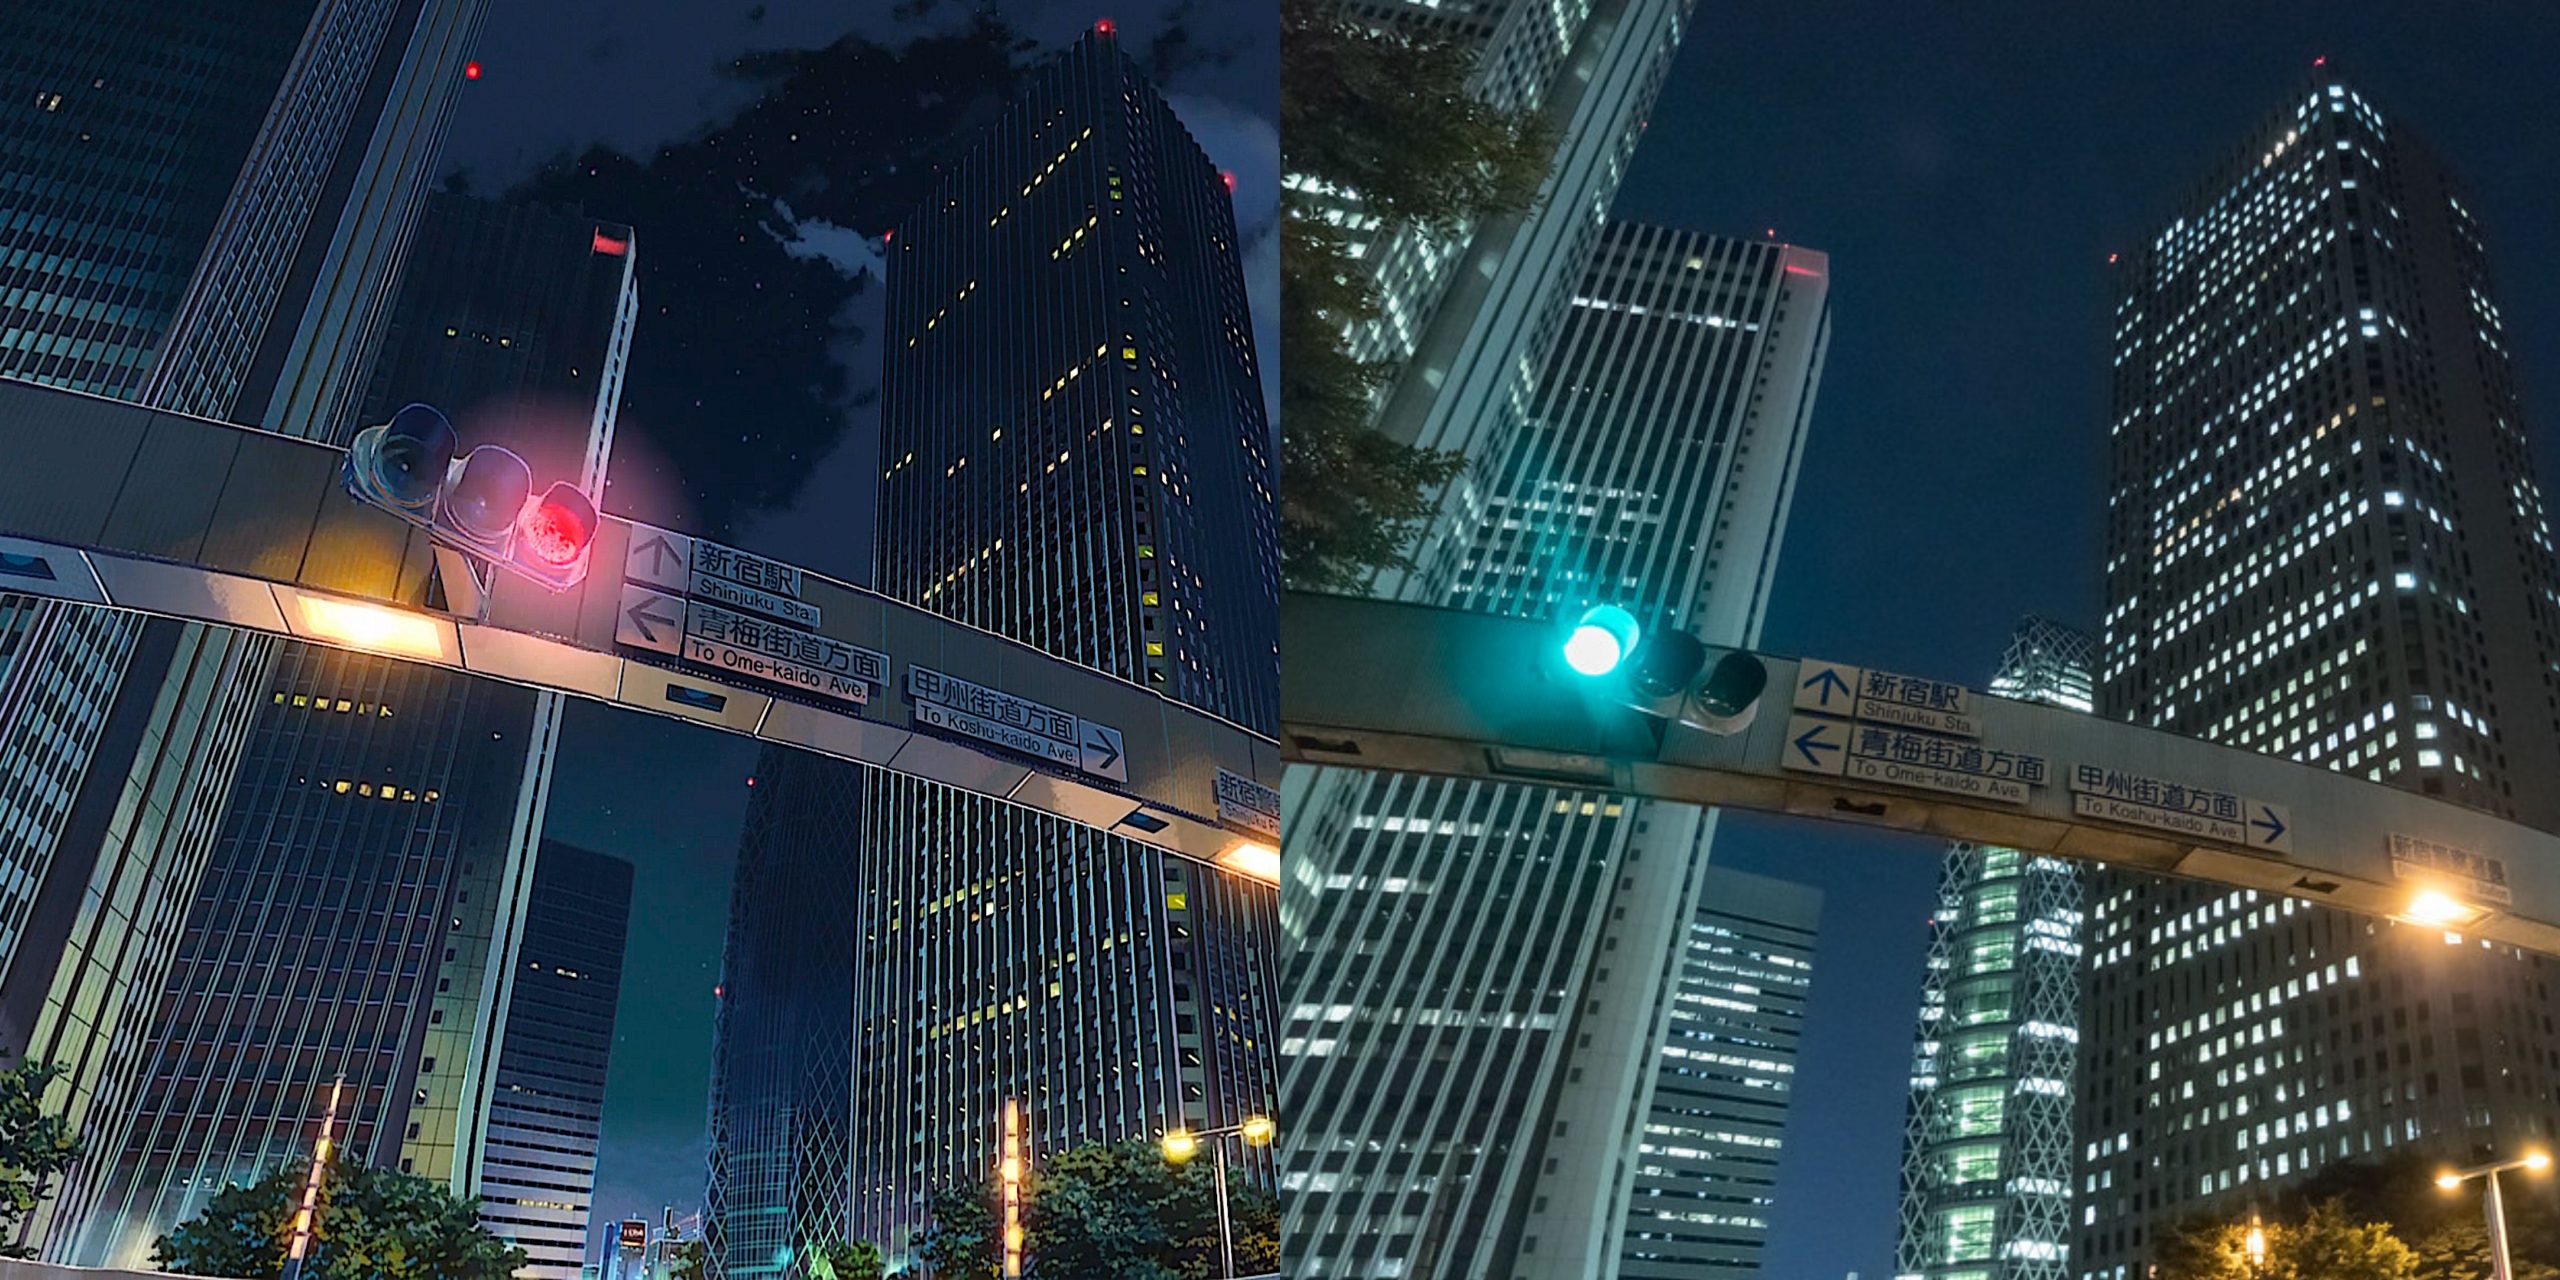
2538,1161
1260,861
2434,907
370,627
2448,1181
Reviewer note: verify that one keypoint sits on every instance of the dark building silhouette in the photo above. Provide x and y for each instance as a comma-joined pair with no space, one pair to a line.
546,1117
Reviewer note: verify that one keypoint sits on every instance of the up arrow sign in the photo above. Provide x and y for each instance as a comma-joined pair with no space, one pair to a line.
1826,687
660,558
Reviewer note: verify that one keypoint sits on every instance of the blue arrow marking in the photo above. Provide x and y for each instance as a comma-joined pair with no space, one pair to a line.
1810,741
2273,824
1835,685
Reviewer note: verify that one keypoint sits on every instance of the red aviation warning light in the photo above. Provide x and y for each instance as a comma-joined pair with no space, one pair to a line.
553,536
471,70
1104,27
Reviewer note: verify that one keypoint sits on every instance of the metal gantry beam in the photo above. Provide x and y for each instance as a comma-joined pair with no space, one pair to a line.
1415,689
109,503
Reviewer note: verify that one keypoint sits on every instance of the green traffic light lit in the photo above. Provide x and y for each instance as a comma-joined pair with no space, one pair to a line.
1601,640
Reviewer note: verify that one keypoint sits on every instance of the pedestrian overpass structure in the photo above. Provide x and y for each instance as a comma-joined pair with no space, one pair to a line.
1416,689
104,502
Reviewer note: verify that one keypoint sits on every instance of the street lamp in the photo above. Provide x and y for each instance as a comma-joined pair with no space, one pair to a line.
1181,1144
2257,1245
2500,1266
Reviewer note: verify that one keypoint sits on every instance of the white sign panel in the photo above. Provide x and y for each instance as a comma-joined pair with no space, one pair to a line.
960,706
1249,805
1910,702
772,651
1930,762
745,580
1827,687
649,619
659,558
2476,876
2204,812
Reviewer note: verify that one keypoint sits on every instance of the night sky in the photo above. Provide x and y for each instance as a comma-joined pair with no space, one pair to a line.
1969,167
758,150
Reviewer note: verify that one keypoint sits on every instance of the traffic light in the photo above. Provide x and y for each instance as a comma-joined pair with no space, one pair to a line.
553,535
483,504
1664,673
400,465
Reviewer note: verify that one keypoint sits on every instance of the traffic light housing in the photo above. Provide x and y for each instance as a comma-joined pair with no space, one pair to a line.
1664,672
483,504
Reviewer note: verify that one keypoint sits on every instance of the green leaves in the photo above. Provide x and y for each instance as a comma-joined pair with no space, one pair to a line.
370,1223
34,1147
1391,121
1117,1210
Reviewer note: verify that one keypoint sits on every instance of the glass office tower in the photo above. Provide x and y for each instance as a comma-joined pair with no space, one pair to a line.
367,781
2326,540
1716,1129
1987,1155
206,213
546,1118
1478,972
1075,455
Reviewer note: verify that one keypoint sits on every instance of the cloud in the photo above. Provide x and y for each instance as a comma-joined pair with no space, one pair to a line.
852,253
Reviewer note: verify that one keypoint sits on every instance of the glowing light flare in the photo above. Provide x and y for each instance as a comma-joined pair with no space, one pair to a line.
2538,1161
1601,639
556,532
1009,1175
2448,1181
1180,1145
1259,861
1228,176
471,70
1257,1130
1104,27
371,627
2436,907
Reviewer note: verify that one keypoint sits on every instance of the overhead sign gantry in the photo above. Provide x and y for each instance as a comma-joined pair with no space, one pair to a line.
109,503
1416,689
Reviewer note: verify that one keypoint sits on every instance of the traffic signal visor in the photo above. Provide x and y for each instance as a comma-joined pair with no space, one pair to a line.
401,464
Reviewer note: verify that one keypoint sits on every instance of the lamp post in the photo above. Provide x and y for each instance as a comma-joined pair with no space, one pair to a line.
1181,1144
309,1209
2257,1245
2500,1266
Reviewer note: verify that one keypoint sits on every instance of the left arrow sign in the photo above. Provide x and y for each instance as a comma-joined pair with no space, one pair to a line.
1815,745
649,620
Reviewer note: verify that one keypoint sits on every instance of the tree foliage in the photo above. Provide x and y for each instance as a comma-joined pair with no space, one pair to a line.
859,1260
371,1224
689,1259
2325,1243
1388,119
35,1146
1109,1210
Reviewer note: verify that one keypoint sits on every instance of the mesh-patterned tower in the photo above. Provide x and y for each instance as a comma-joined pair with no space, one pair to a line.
1987,1153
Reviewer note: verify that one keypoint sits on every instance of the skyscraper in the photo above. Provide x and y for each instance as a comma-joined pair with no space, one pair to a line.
384,814
1076,456
784,1056
1987,1155
1479,973
546,1120
1707,1165
208,211
1472,311
2326,541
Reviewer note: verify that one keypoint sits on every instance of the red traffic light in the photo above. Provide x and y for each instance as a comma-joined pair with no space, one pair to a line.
553,535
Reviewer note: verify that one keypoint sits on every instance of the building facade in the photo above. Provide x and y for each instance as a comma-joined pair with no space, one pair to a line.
1715,1131
2326,540
783,1055
546,1117
1987,1155
384,814
207,214
1471,312
1076,456
1479,973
